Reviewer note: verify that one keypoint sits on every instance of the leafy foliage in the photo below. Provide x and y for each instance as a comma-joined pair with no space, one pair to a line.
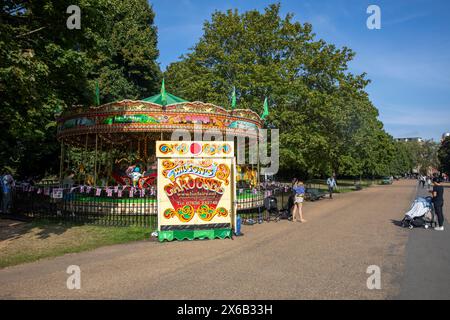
326,120
414,156
46,68
444,155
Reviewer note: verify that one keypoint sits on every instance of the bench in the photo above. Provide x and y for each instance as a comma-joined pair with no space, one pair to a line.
314,194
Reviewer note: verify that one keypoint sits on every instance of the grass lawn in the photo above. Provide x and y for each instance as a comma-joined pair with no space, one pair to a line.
22,242
343,185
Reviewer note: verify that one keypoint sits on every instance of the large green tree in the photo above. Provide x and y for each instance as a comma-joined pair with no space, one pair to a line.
415,156
326,120
46,68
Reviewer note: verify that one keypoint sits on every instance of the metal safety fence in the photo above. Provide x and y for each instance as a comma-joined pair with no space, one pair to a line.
114,207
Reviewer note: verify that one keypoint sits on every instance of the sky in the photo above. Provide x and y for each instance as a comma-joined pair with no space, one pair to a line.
407,60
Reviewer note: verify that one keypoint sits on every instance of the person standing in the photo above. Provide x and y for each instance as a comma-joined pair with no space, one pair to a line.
68,181
429,182
331,183
7,186
297,210
438,202
1,192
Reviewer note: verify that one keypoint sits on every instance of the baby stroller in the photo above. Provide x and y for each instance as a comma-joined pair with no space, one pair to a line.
420,215
274,214
271,206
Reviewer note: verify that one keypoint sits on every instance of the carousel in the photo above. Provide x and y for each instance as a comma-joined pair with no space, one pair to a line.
108,151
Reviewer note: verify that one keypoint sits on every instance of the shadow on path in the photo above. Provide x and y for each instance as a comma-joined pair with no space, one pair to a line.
397,223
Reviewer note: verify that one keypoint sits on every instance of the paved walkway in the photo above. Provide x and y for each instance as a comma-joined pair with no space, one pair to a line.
427,273
325,258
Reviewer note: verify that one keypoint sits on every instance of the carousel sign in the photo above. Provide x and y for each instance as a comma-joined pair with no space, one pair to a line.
195,189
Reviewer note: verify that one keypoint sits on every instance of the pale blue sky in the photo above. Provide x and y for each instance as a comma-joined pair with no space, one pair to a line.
408,60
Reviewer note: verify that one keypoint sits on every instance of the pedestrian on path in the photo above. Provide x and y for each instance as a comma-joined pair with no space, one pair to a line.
422,181
438,202
1,193
7,189
331,182
429,182
297,210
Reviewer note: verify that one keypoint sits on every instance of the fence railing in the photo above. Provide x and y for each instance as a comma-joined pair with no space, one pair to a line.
280,192
122,209
108,208
83,208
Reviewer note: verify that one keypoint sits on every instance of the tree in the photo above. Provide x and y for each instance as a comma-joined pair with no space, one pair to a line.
415,156
123,51
326,120
428,156
444,156
46,68
403,160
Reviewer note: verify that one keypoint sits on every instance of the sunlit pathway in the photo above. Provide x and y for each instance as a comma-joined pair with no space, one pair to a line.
427,272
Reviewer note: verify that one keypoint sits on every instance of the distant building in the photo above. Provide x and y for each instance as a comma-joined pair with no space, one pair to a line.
445,135
416,139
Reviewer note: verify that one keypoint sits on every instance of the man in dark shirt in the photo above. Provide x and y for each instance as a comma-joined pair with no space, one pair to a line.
438,202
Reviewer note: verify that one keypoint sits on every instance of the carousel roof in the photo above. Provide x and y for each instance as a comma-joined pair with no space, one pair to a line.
122,121
158,99
164,98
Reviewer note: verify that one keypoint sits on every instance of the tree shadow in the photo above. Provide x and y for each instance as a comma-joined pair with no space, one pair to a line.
15,229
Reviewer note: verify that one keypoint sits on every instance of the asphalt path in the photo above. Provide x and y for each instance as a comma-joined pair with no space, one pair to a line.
325,258
427,270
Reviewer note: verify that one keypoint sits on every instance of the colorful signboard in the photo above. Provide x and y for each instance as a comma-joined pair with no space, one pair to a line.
196,189
203,149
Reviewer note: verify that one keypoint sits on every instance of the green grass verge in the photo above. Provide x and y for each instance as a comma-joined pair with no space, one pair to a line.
42,239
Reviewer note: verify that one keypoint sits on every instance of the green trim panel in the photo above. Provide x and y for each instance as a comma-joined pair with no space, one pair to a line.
194,234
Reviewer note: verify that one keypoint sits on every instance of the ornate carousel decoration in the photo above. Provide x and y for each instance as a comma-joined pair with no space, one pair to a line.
129,128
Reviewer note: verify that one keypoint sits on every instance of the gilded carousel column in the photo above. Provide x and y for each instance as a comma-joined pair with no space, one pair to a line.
258,172
61,162
85,159
95,160
100,160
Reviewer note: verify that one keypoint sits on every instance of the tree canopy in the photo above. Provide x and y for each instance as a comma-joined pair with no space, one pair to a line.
444,155
46,68
326,120
415,156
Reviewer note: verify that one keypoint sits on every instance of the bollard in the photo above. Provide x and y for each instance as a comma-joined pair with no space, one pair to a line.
237,232
260,217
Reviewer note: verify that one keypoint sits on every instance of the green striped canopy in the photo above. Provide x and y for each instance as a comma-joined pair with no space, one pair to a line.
158,99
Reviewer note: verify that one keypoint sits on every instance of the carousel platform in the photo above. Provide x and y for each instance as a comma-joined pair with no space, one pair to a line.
81,203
